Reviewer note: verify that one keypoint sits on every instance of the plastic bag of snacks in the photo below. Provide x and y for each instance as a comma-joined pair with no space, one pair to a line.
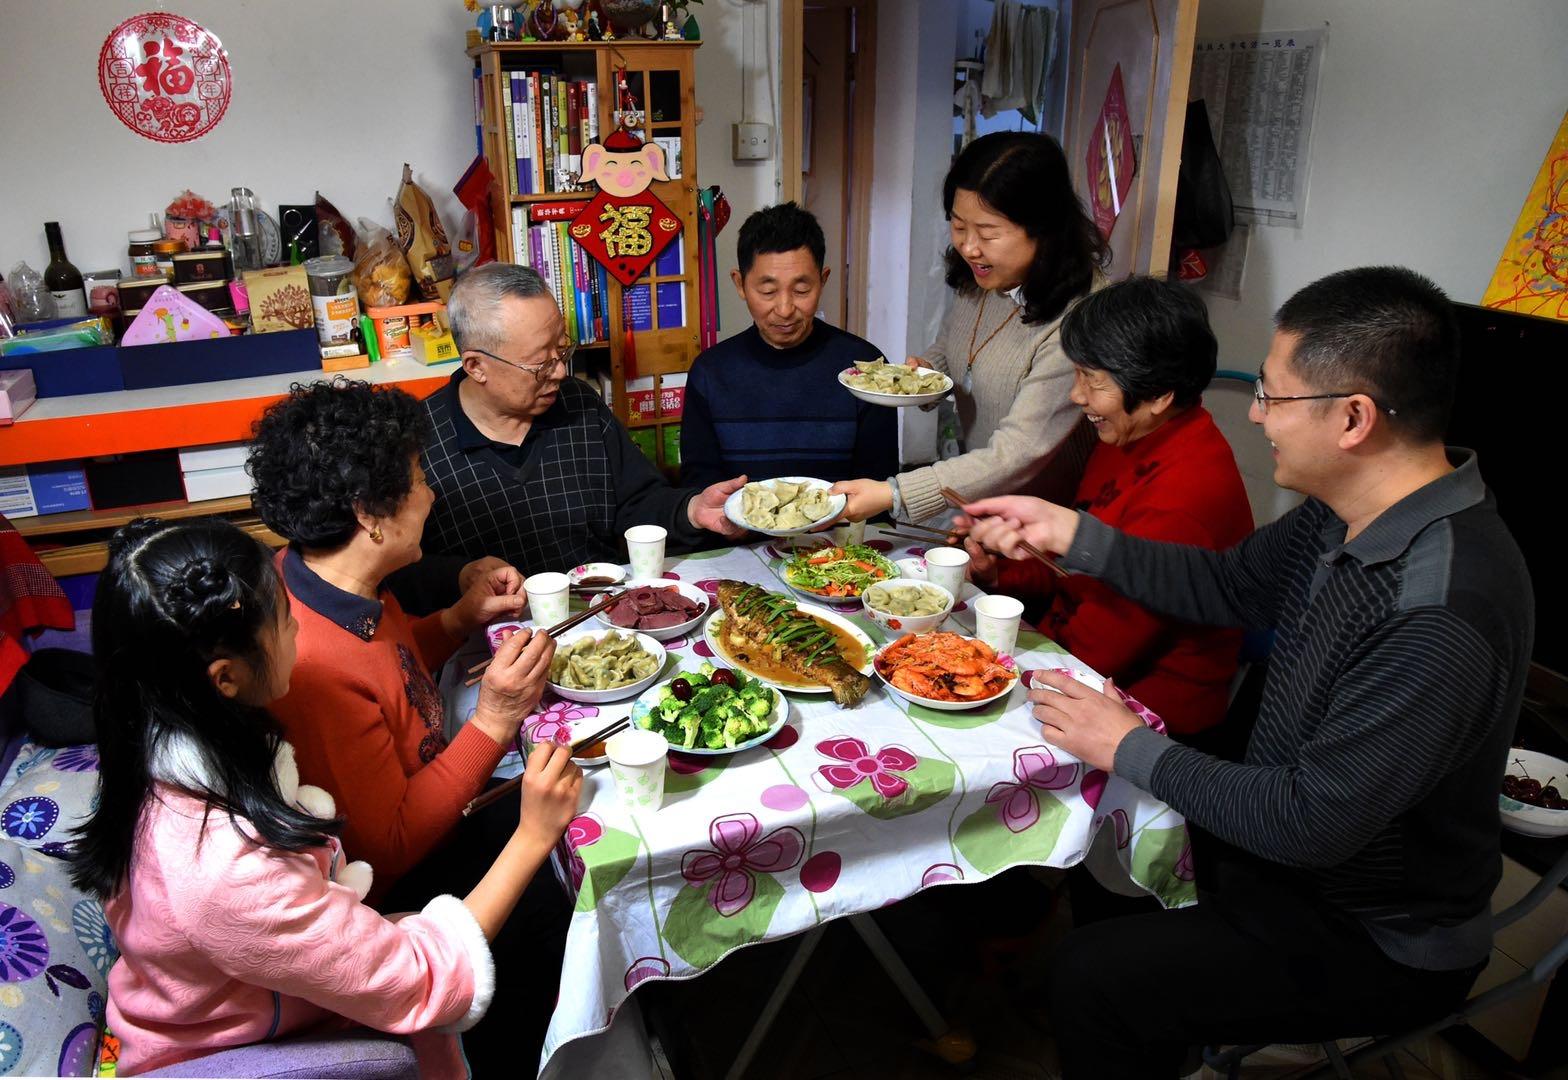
334,235
31,300
380,269
422,238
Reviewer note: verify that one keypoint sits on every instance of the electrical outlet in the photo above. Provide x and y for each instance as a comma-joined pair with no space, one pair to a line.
753,142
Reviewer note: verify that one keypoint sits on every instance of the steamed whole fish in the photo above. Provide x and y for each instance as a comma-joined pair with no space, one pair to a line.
756,619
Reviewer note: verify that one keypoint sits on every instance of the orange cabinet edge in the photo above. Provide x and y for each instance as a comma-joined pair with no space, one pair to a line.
148,429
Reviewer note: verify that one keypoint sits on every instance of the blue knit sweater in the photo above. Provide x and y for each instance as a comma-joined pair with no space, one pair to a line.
766,412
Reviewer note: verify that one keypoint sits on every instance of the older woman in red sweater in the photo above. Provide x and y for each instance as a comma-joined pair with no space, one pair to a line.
1143,353
337,474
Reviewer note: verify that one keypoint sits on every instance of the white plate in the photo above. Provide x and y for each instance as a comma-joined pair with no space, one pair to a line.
945,706
617,693
650,697
712,633
897,401
576,574
1530,820
836,504
669,633
819,598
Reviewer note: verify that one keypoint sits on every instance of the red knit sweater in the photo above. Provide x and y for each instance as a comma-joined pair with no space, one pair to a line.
366,723
1179,483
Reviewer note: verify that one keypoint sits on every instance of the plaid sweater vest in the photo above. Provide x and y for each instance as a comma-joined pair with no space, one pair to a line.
556,511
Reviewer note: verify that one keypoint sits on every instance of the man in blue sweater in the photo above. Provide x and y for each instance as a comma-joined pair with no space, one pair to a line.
1345,865
767,402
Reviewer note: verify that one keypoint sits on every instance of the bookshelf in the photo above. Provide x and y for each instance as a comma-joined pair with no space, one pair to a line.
664,304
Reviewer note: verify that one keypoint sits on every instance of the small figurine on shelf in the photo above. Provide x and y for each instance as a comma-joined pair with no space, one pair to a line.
595,25
667,20
541,24
567,20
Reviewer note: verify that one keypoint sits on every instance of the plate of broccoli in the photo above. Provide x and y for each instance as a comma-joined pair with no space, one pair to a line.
712,710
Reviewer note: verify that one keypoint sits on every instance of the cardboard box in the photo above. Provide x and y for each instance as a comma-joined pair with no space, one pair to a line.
216,456
345,363
279,299
224,483
54,488
646,440
17,393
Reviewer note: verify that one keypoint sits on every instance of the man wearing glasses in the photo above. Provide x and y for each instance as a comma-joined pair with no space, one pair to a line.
528,463
1345,865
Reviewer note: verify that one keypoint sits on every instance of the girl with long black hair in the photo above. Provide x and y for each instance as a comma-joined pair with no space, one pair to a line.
217,867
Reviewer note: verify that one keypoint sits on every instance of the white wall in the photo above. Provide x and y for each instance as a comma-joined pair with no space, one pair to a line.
1432,119
334,96
749,185
912,144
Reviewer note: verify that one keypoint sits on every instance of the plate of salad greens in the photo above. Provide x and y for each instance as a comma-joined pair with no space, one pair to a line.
712,710
836,574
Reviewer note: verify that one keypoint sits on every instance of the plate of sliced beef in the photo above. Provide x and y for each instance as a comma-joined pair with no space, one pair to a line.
660,608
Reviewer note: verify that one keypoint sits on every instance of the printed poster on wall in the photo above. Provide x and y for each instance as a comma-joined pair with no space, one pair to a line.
1532,274
1261,92
1111,157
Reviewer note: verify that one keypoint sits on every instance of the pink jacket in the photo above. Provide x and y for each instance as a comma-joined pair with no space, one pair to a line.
225,942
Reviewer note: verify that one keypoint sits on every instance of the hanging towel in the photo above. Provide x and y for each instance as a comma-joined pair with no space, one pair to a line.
1019,53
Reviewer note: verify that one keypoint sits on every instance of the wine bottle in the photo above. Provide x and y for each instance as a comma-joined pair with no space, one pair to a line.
63,280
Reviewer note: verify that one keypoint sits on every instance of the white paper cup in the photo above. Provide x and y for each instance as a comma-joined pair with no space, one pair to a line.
637,765
852,533
945,566
549,598
996,621
645,550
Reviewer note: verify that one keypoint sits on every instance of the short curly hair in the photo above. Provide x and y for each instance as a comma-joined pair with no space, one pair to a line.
330,449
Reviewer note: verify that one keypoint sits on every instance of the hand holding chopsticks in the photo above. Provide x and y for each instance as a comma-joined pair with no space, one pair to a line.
1002,522
477,671
501,791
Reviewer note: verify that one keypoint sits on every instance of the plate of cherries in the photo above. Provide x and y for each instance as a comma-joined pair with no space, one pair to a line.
1531,801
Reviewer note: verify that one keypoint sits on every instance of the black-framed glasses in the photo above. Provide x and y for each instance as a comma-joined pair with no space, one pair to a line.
1265,400
541,372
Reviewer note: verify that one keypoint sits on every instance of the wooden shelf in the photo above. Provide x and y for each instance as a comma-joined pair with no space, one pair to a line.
553,196
86,520
78,542
526,47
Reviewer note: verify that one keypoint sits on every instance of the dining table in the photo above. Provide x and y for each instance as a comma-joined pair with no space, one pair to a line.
841,812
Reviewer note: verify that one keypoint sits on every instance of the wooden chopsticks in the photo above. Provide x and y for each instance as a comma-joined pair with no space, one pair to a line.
957,501
477,671
501,791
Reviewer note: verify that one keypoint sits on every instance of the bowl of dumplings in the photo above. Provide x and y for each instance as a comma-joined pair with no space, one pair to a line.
599,666
903,606
787,506
894,385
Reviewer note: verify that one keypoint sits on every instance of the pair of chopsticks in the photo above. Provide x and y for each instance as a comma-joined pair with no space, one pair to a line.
501,791
957,502
477,671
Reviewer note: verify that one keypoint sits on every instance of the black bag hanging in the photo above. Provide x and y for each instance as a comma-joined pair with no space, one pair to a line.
1204,216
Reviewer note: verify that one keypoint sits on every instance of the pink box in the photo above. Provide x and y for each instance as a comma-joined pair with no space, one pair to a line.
17,392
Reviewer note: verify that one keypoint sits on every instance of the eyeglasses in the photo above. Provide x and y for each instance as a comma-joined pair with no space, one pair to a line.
564,351
1265,400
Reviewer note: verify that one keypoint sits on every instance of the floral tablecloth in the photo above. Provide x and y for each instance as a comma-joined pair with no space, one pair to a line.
843,811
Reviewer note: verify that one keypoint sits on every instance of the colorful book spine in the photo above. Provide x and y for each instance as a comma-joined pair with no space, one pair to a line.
508,146
519,160
593,113
536,115
562,151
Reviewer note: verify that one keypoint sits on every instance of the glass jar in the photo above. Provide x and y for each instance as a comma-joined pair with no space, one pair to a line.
144,260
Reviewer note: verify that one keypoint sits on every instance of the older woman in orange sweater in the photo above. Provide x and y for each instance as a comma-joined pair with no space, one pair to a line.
337,474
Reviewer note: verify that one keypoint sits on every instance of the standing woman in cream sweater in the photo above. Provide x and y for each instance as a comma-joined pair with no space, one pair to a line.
1022,251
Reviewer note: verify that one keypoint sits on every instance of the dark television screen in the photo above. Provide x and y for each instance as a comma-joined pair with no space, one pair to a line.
1512,409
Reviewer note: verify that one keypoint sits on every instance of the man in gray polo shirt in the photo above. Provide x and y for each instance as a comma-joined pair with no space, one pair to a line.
1346,863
